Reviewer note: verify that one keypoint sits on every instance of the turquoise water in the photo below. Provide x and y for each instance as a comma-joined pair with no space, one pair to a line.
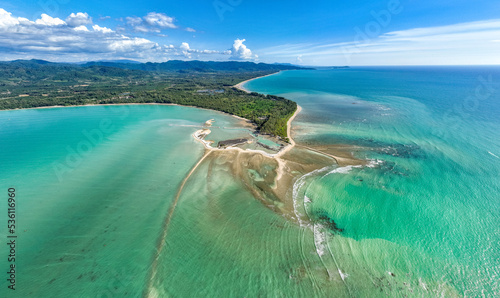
96,185
93,187
428,209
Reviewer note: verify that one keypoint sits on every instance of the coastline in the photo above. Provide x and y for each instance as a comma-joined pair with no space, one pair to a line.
240,86
289,132
195,134
258,211
204,132
126,104
292,144
108,104
288,164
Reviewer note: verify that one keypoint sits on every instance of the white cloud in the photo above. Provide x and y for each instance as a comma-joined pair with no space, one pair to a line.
185,49
145,29
160,20
133,21
240,51
152,22
98,28
188,29
53,39
49,21
6,19
449,29
81,28
463,43
78,19
24,21
131,44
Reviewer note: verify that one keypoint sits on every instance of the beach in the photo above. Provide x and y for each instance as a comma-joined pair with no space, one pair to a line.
368,199
288,164
397,124
240,86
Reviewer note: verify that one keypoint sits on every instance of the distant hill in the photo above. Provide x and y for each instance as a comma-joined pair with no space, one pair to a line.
197,66
30,63
42,70
110,61
23,68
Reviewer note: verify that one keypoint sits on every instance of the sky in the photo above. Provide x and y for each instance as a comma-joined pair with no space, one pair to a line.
320,33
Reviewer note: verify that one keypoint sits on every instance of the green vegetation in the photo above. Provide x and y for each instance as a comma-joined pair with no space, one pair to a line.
35,83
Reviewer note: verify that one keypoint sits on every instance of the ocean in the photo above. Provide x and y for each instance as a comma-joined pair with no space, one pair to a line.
97,212
428,210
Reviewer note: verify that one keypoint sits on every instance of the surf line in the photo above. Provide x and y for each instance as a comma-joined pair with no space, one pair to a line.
161,240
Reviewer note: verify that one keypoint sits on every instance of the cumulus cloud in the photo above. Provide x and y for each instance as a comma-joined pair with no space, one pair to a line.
160,20
54,39
81,28
49,21
131,44
190,29
241,52
6,19
152,22
78,19
185,49
98,28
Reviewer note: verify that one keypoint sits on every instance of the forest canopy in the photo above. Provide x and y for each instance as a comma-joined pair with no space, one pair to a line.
38,83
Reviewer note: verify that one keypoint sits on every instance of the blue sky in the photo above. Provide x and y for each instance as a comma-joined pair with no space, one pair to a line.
391,32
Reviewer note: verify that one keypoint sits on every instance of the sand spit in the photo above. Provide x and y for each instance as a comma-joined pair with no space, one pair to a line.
269,177
149,290
200,135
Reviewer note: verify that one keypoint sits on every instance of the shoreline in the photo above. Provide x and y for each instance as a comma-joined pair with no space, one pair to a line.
239,86
196,135
289,133
110,104
127,104
207,146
